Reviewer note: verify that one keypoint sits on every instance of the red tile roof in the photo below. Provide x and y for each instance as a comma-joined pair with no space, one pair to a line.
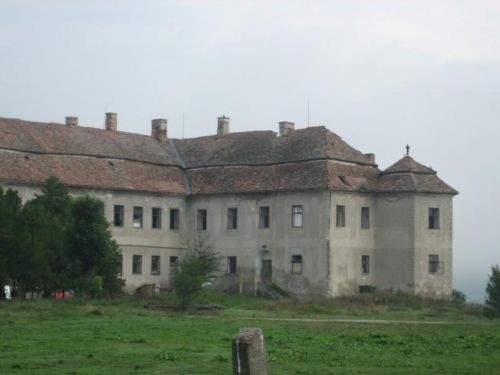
312,158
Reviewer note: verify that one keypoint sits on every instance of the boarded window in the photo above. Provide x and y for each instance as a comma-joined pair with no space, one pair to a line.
155,265
232,218
174,219
156,218
297,216
264,220
297,264
365,217
435,266
137,264
365,264
433,218
340,222
231,265
201,220
119,215
137,217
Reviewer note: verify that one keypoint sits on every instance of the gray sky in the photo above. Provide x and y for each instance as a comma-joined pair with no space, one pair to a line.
380,74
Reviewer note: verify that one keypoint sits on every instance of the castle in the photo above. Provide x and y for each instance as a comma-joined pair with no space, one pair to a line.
301,208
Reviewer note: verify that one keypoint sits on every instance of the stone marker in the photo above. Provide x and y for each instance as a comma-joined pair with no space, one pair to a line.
249,354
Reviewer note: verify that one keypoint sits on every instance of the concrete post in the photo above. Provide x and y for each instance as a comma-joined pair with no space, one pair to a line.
249,354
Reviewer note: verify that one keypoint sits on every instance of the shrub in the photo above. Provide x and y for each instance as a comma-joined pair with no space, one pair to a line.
200,261
458,297
187,280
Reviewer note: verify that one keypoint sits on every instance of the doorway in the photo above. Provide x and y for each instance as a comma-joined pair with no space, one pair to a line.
266,272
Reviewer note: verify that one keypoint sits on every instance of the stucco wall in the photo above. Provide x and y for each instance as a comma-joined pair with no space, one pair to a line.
394,237
348,244
277,243
398,240
433,241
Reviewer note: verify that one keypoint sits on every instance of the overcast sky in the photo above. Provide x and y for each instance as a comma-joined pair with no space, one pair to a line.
380,74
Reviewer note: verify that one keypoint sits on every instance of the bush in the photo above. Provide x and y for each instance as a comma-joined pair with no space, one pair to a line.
458,297
187,280
493,293
200,261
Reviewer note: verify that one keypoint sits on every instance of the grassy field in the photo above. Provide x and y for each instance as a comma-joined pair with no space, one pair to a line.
121,337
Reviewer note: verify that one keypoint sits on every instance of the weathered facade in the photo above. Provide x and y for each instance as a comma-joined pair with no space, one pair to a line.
300,208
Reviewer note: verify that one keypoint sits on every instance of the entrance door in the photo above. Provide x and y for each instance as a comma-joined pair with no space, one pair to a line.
266,273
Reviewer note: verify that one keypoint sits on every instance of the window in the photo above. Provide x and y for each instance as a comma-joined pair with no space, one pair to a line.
174,219
155,265
201,220
297,216
264,217
340,216
365,217
119,215
433,218
156,218
174,263
365,264
297,264
434,265
137,218
232,218
137,264
231,265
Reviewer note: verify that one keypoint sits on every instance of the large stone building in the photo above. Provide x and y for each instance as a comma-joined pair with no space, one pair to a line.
300,208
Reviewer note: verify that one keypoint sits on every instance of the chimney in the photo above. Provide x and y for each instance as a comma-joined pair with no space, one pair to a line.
222,126
286,127
159,130
71,121
111,121
370,157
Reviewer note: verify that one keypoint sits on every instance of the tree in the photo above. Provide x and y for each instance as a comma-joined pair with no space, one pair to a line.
10,212
32,270
56,203
493,291
94,253
200,261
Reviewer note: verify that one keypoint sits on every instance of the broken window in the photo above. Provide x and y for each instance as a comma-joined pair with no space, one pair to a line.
340,222
297,264
264,221
156,218
231,265
137,264
433,218
137,217
435,266
201,219
365,217
365,264
119,215
297,216
232,218
174,219
155,265
174,263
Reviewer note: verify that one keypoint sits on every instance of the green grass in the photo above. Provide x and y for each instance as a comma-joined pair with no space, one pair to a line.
121,337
